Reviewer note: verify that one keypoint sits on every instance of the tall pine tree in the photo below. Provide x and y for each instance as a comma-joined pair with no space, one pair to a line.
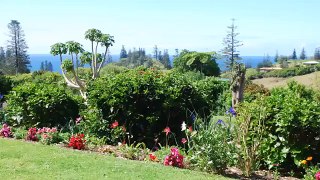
294,54
18,48
303,54
123,53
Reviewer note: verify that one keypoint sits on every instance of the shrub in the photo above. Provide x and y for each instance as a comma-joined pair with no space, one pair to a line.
253,91
5,85
42,105
291,123
212,147
145,101
77,142
20,133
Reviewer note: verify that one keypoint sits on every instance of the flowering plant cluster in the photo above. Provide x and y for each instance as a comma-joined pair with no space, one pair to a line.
32,134
77,142
48,135
118,133
5,131
174,159
153,157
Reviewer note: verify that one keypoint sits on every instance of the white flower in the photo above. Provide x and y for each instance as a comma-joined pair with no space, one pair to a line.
183,126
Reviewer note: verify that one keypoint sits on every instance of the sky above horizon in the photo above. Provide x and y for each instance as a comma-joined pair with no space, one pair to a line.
265,26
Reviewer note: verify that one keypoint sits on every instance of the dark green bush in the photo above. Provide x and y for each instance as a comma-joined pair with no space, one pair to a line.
147,100
42,105
5,85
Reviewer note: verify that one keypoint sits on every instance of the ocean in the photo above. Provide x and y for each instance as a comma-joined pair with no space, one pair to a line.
36,60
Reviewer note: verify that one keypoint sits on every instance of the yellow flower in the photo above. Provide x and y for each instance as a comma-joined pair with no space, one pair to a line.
303,162
309,158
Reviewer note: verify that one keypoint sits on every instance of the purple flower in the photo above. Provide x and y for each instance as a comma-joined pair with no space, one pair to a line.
220,122
231,111
1,96
193,117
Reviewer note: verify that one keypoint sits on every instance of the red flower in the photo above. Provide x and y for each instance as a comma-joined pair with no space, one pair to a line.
184,140
167,130
77,142
190,128
174,159
153,157
114,125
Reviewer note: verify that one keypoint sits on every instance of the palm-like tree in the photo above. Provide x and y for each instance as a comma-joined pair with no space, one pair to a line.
58,49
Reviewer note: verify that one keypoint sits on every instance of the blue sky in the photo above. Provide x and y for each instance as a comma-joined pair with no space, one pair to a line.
264,25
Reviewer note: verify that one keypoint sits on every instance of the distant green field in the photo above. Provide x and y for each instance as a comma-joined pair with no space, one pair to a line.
24,160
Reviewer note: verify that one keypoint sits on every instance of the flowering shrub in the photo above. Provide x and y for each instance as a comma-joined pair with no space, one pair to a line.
77,142
32,134
174,158
48,135
5,131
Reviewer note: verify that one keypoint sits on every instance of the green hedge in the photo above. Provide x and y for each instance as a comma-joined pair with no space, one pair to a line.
147,100
42,105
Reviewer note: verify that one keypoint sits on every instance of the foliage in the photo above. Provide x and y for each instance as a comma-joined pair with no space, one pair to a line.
212,147
312,172
112,69
20,132
250,132
134,152
5,85
42,105
123,53
95,59
196,61
231,44
291,117
145,101
45,66
174,159
16,55
77,142
294,55
317,54
266,62
303,55
253,91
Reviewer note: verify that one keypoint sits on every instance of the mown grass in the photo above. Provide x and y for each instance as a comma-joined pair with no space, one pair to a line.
25,160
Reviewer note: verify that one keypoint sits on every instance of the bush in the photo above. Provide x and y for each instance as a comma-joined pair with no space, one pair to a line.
41,105
292,120
145,101
5,85
212,147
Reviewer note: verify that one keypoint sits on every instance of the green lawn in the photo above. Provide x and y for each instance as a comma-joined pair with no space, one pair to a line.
24,160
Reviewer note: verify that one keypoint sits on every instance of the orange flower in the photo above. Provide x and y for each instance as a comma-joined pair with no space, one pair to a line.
309,158
303,162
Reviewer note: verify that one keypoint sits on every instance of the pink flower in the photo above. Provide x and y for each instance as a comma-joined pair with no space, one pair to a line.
114,125
167,130
78,120
184,140
317,175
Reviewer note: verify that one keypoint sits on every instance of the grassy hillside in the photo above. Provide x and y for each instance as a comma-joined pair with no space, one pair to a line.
24,160
310,80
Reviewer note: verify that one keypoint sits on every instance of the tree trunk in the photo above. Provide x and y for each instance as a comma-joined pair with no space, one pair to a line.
238,85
